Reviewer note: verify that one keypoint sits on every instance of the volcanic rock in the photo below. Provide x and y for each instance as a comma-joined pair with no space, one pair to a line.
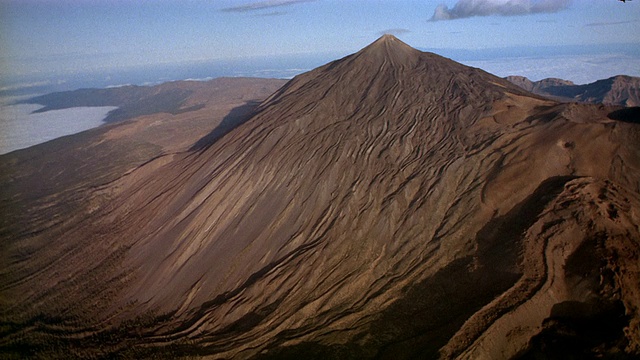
618,90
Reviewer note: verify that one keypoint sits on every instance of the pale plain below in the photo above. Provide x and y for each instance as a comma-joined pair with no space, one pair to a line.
21,128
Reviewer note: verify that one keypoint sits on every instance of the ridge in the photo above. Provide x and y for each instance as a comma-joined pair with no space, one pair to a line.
389,47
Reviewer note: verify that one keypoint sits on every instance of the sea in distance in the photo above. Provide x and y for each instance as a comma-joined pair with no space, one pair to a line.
21,128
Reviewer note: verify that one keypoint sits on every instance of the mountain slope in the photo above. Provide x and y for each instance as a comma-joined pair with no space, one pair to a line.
65,169
390,204
617,90
174,98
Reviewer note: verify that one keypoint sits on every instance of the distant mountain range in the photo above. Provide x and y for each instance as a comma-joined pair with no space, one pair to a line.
618,90
171,97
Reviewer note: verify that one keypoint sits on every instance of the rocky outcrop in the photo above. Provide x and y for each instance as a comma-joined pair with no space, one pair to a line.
618,90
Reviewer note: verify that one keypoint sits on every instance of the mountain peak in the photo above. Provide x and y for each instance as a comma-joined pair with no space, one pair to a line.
388,38
390,47
369,75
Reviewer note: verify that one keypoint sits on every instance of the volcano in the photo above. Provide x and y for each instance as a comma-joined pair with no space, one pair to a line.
391,204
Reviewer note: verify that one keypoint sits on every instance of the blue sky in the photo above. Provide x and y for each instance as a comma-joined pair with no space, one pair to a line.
40,36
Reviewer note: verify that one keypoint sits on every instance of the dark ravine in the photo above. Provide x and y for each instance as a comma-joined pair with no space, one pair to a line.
390,204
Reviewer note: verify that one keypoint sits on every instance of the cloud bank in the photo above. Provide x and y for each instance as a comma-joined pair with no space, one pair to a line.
261,5
470,8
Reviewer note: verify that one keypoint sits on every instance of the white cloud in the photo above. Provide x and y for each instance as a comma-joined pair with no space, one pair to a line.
470,8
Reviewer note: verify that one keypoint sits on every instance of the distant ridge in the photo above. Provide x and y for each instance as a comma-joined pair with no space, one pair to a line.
131,100
618,90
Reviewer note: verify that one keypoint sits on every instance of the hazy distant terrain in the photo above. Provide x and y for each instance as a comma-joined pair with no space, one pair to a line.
389,204
618,90
126,102
131,101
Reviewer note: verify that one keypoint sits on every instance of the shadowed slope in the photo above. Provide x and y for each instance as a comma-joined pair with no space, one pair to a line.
388,204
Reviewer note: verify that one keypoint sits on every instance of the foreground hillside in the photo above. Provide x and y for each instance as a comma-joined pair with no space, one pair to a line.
391,204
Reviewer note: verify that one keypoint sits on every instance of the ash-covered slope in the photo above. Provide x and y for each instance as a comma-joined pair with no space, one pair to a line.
391,204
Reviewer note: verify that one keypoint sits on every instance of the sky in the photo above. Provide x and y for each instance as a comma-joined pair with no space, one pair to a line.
58,36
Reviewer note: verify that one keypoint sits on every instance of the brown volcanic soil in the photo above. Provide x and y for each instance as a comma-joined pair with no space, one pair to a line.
391,204
46,184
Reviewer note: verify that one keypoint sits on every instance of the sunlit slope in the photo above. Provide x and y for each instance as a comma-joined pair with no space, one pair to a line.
390,204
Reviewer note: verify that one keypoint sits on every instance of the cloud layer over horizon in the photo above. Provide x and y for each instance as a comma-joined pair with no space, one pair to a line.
470,8
261,5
